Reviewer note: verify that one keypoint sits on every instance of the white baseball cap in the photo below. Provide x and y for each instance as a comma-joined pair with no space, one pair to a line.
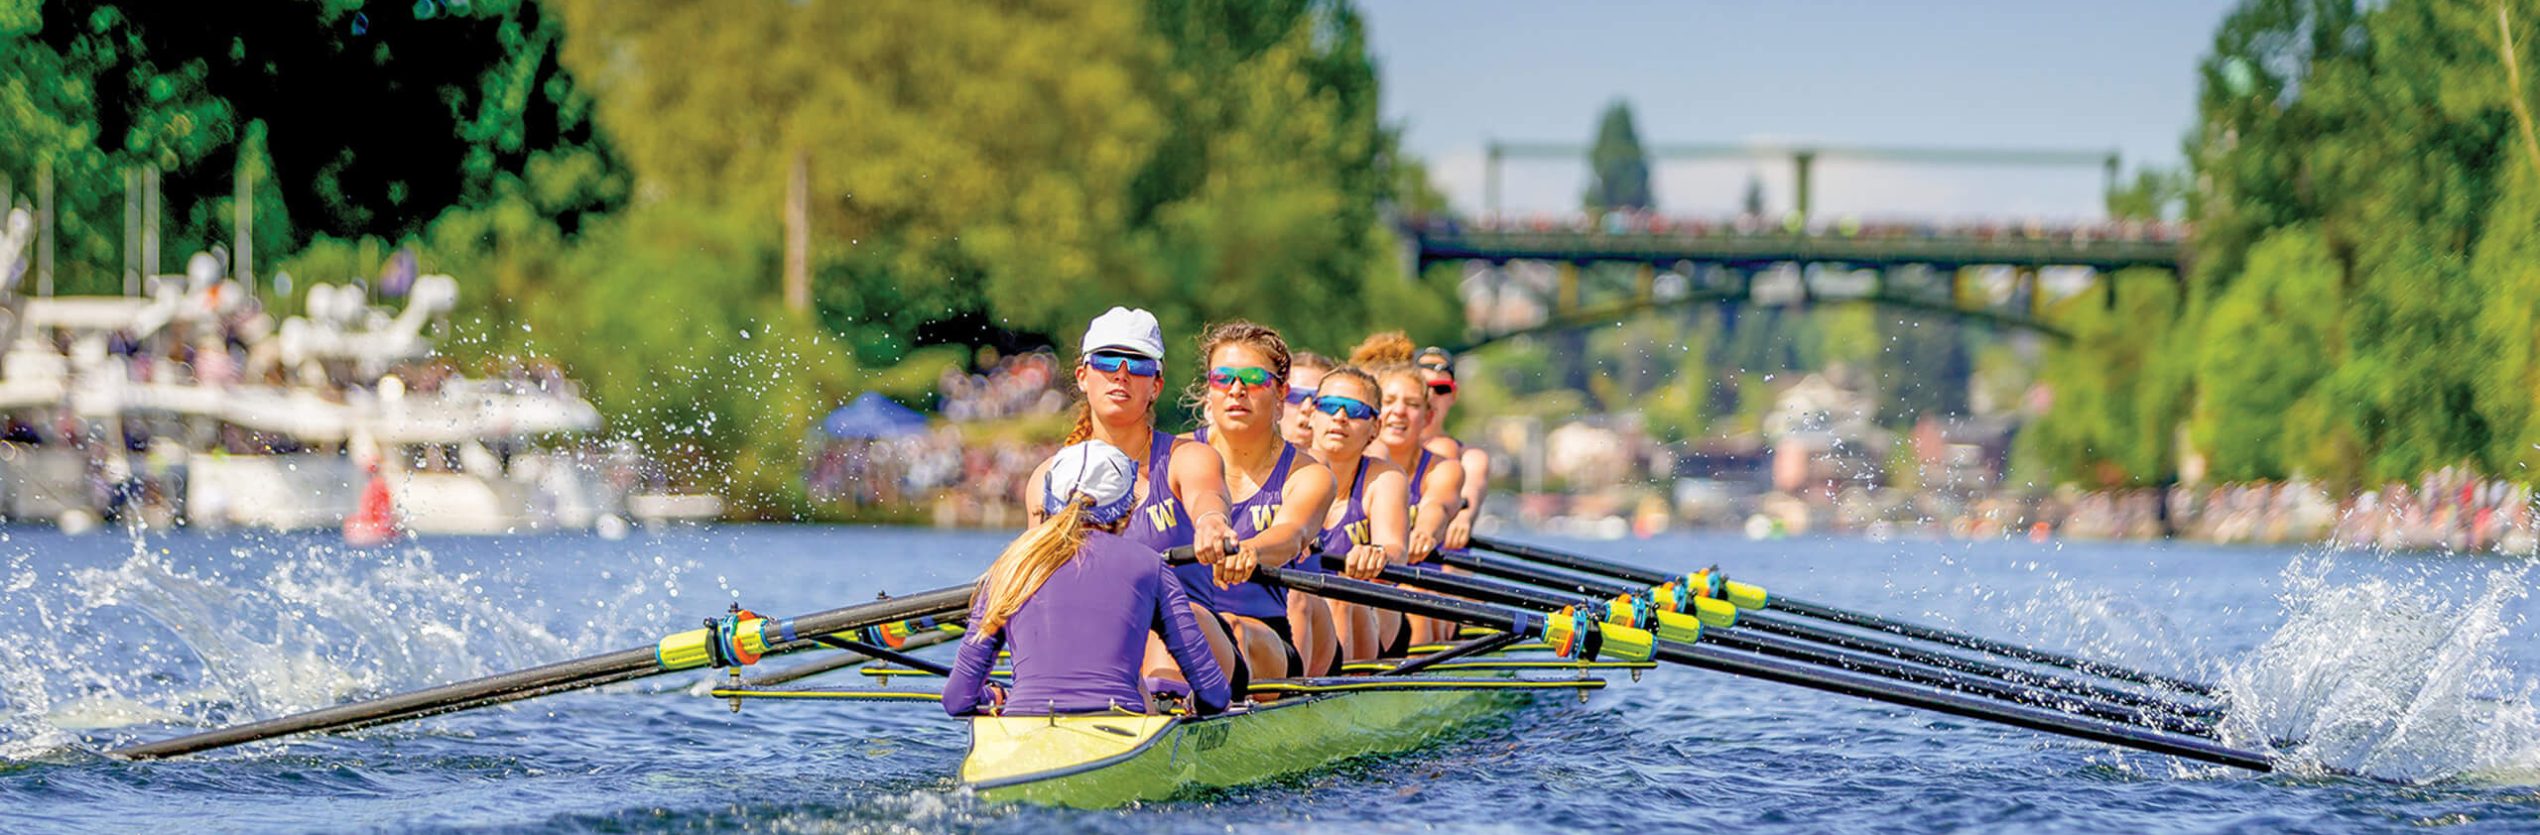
1127,330
1099,470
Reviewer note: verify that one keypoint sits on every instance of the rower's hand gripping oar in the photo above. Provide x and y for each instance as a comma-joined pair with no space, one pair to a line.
1747,596
1574,632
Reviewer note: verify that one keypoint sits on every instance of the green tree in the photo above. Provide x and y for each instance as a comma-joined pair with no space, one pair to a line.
2155,194
2280,321
2359,219
345,134
2111,420
1618,168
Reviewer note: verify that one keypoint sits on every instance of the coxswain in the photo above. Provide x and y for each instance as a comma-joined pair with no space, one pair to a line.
1077,603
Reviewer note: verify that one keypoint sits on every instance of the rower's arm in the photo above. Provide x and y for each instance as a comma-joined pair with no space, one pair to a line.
965,690
1199,480
1476,462
1032,512
1459,530
1180,630
1437,503
1300,516
1388,502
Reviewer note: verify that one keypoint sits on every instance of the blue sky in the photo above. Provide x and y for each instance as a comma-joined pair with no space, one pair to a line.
2040,74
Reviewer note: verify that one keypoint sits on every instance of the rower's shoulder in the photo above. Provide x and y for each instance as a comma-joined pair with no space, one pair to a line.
1305,469
1185,446
1444,446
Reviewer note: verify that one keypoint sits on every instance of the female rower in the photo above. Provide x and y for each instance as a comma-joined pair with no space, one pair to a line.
1279,497
1437,481
1305,372
1181,496
1438,368
1077,602
1370,511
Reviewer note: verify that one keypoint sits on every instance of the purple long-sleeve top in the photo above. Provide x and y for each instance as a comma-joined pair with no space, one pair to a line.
1079,641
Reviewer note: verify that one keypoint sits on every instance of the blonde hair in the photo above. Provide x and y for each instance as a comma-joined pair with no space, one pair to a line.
1309,359
1386,356
1083,430
1026,564
1383,349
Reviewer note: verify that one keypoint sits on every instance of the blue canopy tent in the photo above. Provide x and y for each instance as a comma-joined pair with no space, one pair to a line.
871,416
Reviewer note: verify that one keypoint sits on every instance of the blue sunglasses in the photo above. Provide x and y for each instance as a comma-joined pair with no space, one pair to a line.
1136,366
1300,397
1333,404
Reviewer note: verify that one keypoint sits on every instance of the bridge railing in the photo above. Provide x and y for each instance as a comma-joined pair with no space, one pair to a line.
1648,223
1660,240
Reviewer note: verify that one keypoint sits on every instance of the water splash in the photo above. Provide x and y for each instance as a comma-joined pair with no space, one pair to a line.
2399,679
284,624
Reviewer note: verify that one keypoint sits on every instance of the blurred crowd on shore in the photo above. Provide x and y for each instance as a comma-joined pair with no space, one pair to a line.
960,484
961,475
1012,386
2450,509
1652,223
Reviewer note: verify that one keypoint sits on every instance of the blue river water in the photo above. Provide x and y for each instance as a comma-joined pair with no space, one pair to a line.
2400,689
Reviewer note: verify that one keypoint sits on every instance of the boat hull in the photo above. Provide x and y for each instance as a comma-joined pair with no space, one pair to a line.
1099,762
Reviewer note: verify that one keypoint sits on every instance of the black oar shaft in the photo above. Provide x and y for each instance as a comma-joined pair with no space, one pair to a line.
1533,575
621,665
1966,641
1849,683
347,715
885,653
1510,569
1777,624
1486,643
1607,568
839,661
1575,562
1831,680
1787,647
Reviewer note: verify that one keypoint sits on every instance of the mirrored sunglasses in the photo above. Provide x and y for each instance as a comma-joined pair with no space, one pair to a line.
1333,404
1225,377
1136,366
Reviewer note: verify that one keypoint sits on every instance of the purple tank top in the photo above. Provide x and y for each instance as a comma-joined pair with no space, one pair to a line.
1160,522
1352,528
1419,476
1251,515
